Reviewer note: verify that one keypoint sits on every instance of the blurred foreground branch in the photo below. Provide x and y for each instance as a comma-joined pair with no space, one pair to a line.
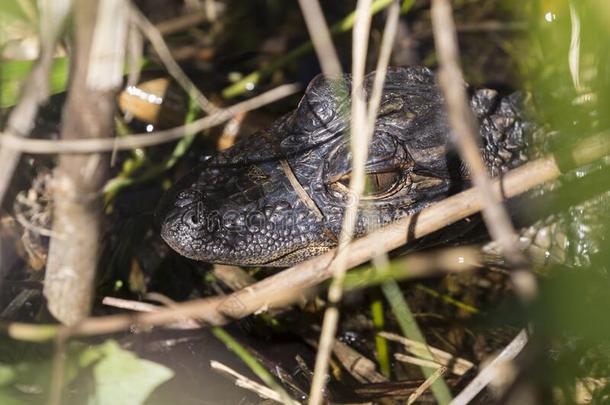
78,179
107,143
287,286
466,134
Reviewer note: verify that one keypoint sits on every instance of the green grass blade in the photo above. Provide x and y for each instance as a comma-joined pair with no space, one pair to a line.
252,79
409,328
14,73
251,362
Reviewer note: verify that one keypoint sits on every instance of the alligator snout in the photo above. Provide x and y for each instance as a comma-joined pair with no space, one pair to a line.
248,216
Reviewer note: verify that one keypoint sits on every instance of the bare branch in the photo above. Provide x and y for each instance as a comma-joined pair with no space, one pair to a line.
264,294
320,36
48,146
466,132
156,39
359,148
426,384
248,384
490,372
78,179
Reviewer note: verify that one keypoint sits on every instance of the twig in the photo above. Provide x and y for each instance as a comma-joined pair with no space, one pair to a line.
48,146
359,366
387,42
465,129
320,36
156,39
246,383
255,366
58,374
380,260
264,294
458,365
252,79
405,358
417,265
130,304
181,23
490,372
77,179
359,147
139,306
426,384
234,277
409,327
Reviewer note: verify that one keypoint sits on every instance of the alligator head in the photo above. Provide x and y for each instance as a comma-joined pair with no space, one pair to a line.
278,196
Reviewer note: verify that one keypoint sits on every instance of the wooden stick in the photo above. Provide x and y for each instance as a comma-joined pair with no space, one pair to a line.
48,146
359,148
264,294
77,179
466,134
491,371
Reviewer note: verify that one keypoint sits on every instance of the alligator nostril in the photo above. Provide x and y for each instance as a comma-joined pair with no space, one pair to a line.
192,219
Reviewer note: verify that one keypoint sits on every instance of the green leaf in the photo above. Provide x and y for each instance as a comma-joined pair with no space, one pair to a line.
14,73
123,378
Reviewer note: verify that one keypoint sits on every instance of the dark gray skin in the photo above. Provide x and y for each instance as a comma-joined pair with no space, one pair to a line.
240,207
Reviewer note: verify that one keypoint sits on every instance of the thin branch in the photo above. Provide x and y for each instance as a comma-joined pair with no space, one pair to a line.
387,42
264,294
426,384
77,179
320,36
58,375
249,81
359,148
491,371
181,23
459,366
156,39
248,384
48,146
466,132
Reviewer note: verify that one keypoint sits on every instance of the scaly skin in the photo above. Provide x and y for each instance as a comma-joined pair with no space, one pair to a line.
240,207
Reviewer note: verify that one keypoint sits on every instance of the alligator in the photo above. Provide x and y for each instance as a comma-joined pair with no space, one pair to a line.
278,196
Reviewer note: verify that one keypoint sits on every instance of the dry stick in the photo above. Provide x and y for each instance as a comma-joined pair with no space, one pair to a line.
48,146
320,36
380,260
181,23
264,294
77,180
156,39
426,384
491,371
248,384
465,129
387,42
459,366
59,370
359,148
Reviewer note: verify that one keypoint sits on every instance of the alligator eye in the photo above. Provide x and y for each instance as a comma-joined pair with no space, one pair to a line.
378,184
